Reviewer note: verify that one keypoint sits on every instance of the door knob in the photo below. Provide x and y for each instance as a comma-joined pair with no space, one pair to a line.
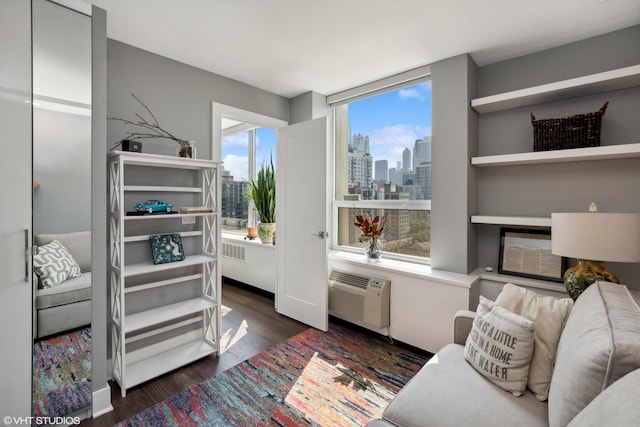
321,234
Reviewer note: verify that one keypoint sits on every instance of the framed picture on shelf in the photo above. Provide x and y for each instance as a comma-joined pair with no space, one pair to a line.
527,253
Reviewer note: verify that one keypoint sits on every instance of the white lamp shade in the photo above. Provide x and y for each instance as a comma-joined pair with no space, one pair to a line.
596,236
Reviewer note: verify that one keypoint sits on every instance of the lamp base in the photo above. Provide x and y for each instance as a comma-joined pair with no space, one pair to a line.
580,277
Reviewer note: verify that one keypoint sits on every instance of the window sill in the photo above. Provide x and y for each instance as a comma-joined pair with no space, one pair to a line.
239,238
422,271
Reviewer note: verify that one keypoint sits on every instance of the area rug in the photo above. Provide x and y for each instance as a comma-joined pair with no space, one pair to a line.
62,374
344,377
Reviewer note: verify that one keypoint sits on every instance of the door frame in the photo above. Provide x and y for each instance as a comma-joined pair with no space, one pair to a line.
218,111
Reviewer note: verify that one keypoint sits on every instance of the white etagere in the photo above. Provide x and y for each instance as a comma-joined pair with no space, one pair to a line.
622,78
155,334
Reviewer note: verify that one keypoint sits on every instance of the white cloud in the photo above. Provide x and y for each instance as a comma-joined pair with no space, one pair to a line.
420,91
237,165
236,140
389,142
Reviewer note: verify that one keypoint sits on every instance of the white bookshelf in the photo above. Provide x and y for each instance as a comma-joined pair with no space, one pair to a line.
150,342
165,361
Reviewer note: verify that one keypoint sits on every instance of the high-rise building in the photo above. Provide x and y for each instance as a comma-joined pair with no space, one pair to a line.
423,178
360,162
406,160
421,151
360,143
234,203
395,176
381,170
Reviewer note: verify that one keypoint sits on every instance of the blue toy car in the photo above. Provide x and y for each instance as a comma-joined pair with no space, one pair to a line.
154,206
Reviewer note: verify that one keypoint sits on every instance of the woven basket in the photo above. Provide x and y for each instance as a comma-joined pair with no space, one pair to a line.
579,131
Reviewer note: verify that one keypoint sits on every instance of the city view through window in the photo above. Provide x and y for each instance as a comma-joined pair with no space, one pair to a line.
383,167
237,170
383,143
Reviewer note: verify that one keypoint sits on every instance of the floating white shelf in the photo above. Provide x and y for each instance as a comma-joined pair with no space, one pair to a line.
606,152
151,367
530,221
621,78
165,313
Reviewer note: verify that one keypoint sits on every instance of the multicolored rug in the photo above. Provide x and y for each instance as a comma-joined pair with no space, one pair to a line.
62,374
344,377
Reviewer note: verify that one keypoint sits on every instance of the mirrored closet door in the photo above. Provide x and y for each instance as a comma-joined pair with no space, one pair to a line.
62,365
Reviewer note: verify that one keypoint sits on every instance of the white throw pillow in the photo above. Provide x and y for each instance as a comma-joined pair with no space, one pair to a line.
500,346
53,264
548,315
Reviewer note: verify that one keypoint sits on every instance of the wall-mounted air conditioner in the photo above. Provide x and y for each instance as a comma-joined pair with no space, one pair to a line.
359,298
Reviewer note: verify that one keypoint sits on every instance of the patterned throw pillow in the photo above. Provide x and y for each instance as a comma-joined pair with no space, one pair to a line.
500,346
54,264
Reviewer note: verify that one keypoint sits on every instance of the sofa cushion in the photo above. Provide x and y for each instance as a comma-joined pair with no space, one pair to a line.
70,291
600,343
53,264
500,346
549,316
447,383
616,406
78,243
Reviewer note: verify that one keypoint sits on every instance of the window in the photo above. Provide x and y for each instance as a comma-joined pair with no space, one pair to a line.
383,167
243,153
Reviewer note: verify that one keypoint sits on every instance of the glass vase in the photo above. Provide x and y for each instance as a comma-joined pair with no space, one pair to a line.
372,250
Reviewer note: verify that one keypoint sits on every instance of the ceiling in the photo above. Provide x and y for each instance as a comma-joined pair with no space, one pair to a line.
290,47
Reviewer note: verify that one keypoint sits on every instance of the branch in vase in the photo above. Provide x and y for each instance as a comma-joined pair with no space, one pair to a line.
157,131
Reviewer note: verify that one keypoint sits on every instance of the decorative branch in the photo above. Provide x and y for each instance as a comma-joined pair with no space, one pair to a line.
153,130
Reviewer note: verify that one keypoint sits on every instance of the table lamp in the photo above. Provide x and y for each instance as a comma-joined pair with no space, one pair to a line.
594,238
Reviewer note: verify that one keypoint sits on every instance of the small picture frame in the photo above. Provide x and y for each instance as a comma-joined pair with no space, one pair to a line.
166,248
527,253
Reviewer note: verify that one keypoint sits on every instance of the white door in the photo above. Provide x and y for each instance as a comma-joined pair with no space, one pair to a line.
301,218
15,227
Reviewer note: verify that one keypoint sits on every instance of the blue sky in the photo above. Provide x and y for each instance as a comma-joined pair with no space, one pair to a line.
393,121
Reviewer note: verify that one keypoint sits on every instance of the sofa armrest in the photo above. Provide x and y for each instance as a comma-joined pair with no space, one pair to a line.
462,325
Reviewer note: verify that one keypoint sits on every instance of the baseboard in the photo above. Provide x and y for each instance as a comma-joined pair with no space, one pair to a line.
102,401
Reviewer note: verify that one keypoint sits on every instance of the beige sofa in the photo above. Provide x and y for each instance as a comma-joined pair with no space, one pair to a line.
67,305
595,380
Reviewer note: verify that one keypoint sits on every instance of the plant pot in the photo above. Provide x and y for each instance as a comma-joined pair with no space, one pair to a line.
266,232
252,232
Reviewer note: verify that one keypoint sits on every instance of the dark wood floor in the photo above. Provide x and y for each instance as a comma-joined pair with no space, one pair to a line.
249,325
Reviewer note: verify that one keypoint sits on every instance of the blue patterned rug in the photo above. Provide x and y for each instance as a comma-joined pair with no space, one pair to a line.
62,374
344,377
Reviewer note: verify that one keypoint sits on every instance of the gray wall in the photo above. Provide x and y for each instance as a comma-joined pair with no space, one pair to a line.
538,190
179,96
453,239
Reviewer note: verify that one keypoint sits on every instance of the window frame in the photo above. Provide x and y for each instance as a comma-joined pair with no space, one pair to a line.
390,84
